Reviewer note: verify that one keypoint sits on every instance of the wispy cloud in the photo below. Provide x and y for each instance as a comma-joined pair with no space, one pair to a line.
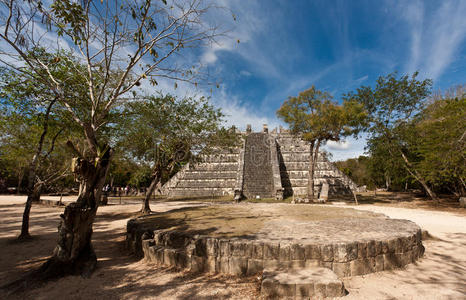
435,35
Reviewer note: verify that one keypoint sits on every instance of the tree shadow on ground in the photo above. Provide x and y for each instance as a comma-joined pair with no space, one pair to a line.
118,274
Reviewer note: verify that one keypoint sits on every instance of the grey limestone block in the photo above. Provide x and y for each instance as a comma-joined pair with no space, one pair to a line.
379,263
286,289
169,257
211,246
327,252
297,252
271,251
304,290
371,252
211,264
312,251
258,250
224,248
268,287
198,264
342,269
362,249
238,266
284,252
255,266
223,265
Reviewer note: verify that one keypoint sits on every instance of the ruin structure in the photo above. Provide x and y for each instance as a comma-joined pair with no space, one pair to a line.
265,165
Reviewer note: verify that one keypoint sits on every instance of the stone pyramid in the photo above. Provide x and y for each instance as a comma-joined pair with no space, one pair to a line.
266,165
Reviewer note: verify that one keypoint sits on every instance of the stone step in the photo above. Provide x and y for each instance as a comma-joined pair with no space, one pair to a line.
301,284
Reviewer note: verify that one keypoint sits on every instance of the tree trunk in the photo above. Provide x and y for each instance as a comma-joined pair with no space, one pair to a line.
33,196
145,205
20,180
33,190
418,177
74,253
313,156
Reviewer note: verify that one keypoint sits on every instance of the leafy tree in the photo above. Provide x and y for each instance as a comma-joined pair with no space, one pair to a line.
315,118
391,105
164,132
440,142
121,46
33,123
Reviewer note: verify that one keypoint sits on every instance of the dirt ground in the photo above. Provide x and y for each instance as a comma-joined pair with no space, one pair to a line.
438,275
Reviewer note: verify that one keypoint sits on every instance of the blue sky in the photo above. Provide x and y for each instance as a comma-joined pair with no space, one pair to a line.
287,46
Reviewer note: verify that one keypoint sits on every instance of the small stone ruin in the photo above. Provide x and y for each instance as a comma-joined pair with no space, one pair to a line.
266,165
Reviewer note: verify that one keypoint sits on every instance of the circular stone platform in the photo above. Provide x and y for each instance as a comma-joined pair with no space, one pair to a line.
246,239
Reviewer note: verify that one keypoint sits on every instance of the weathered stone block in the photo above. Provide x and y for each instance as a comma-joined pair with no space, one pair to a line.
326,264
394,245
358,267
304,290
390,261
200,247
223,265
327,252
211,264
297,264
311,263
312,251
181,259
237,248
286,289
211,246
344,252
378,248
320,290
284,252
159,254
271,251
238,266
297,252
255,266
362,249
268,288
258,250
224,248
335,289
371,252
405,244
404,258
197,264
341,269
169,257
379,263
151,254
271,264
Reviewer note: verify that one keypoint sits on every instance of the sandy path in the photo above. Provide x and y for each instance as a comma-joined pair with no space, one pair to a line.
119,276
439,275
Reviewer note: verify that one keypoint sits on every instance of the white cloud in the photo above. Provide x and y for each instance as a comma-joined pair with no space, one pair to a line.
342,145
349,148
245,73
435,37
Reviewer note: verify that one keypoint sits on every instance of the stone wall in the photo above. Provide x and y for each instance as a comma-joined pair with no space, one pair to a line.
294,169
266,164
214,175
236,256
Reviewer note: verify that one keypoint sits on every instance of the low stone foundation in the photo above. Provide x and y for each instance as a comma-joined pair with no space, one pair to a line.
237,256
